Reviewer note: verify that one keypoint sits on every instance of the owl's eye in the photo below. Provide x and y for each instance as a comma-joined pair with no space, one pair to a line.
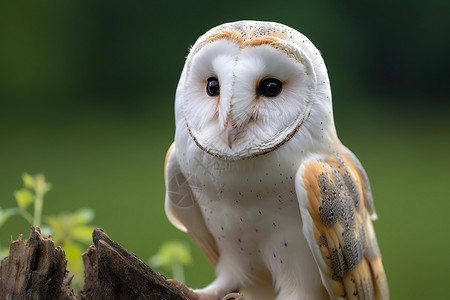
270,87
213,87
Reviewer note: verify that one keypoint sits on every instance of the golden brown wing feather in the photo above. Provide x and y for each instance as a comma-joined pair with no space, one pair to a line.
340,208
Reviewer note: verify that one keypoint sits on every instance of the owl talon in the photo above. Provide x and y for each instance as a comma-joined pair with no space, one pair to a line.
187,291
201,295
235,296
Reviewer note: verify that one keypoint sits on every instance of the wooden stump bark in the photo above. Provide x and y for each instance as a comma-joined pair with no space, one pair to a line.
37,270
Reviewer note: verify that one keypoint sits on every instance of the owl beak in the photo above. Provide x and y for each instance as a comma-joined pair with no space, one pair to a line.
230,133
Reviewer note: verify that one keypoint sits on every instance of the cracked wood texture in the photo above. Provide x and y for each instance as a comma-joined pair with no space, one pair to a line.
37,270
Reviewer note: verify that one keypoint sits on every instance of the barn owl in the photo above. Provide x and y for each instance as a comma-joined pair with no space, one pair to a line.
258,177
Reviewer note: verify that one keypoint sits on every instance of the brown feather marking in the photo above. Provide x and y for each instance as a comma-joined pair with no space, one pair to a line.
228,34
372,254
337,202
350,287
275,39
354,164
338,289
245,39
323,246
380,284
313,191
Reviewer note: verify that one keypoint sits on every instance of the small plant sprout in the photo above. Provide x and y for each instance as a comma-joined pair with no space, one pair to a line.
70,230
172,256
34,190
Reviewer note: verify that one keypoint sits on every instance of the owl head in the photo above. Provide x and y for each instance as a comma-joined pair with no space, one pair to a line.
249,87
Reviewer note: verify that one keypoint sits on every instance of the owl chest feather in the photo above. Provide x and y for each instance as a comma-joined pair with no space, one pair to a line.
251,210
247,209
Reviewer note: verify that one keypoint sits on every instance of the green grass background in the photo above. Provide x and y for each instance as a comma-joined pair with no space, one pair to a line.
87,91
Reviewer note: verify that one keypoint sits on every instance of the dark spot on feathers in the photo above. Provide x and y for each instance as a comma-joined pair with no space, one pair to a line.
323,241
339,199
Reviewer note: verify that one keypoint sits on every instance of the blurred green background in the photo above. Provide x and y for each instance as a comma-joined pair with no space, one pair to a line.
87,91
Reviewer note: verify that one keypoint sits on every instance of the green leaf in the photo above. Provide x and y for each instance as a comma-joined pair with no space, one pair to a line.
74,263
83,216
23,197
56,224
40,184
28,180
172,251
82,233
48,187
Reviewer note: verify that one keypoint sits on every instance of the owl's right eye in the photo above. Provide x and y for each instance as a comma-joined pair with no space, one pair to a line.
213,87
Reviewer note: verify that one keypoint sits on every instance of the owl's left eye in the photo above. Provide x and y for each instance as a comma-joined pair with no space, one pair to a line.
270,87
213,87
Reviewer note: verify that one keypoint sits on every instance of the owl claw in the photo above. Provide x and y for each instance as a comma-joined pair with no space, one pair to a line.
187,291
201,296
235,296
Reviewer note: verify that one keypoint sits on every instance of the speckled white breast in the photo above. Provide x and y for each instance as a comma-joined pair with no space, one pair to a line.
251,209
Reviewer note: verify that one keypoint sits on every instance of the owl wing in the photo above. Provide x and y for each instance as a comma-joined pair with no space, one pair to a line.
337,210
182,208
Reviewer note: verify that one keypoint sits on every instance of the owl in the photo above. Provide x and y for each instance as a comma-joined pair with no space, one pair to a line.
258,177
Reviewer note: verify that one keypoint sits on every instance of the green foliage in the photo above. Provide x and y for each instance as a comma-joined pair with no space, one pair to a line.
72,232
69,230
24,197
172,256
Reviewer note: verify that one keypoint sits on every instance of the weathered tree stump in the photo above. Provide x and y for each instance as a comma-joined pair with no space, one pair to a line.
37,270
